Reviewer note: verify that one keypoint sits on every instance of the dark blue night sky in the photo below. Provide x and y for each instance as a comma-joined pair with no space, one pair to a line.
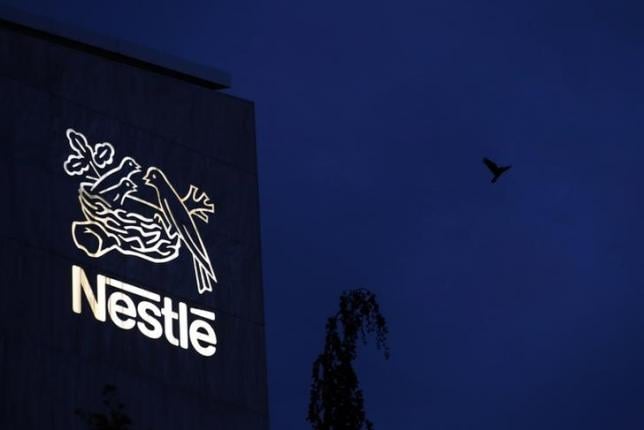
512,306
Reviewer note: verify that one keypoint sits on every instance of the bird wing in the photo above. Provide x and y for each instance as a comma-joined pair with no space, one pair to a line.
104,179
106,182
491,165
110,187
187,230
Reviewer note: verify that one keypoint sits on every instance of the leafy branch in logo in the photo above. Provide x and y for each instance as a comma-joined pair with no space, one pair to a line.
86,156
103,154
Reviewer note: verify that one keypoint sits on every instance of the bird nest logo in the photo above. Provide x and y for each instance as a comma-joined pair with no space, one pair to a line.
118,219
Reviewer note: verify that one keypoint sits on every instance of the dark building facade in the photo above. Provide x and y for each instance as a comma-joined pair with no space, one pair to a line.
130,243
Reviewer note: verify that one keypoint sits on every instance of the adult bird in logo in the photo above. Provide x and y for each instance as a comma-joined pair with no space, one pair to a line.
177,216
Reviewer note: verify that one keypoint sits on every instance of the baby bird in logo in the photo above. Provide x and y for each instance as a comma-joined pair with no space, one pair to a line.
119,192
176,216
112,178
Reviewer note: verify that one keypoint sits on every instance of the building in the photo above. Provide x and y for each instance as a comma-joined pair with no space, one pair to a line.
130,242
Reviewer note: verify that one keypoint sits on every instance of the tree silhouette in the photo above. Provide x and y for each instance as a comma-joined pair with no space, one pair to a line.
115,419
336,401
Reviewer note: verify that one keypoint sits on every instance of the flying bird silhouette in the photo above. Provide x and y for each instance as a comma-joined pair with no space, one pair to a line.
118,192
126,168
177,216
496,170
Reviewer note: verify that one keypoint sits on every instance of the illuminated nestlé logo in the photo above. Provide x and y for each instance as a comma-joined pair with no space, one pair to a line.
118,218
129,306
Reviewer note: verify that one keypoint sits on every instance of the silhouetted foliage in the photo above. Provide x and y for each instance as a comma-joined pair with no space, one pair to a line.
115,419
336,401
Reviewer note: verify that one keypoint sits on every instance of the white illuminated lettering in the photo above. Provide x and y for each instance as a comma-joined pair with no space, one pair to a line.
168,318
133,290
203,338
153,227
203,314
183,325
80,282
131,306
149,326
120,304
